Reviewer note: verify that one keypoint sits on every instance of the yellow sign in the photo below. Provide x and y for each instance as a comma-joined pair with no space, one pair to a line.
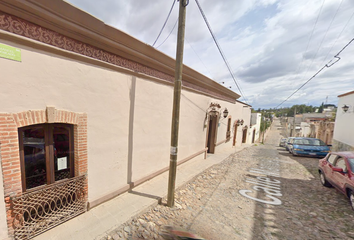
9,52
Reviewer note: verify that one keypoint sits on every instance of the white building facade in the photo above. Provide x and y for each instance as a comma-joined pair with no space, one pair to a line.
343,139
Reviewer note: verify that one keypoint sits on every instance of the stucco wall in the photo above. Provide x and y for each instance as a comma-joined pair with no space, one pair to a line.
256,124
129,118
305,129
3,225
44,79
343,130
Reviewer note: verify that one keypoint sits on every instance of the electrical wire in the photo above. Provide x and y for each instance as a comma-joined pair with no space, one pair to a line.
324,36
308,42
345,26
219,48
168,34
328,65
168,16
198,57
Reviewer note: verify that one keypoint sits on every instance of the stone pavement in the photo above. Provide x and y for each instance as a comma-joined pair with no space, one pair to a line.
98,221
212,205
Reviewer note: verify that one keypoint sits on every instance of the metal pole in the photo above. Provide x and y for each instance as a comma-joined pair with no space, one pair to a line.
176,104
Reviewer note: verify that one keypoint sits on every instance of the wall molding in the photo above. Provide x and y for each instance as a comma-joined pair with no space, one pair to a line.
21,27
136,183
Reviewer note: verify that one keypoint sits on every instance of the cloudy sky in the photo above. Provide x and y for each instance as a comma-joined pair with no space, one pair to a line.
272,46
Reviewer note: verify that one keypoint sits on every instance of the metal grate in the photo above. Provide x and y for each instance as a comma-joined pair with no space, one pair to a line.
38,211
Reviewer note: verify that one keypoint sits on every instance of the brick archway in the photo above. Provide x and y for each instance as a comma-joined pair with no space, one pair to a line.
9,146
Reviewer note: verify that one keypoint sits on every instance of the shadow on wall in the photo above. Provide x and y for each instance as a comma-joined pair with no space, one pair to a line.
131,131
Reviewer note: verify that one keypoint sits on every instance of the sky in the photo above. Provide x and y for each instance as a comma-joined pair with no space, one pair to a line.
273,47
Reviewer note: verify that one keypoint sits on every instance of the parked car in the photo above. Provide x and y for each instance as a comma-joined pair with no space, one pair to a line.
313,147
288,140
336,170
282,142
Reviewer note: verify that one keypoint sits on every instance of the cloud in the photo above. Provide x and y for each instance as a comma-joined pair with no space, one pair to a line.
272,46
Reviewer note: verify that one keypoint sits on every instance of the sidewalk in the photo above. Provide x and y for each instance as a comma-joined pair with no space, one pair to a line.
109,215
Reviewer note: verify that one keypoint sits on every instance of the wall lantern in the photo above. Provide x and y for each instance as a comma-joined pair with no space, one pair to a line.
240,122
225,113
345,108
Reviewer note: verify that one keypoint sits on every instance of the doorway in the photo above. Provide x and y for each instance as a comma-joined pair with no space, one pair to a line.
254,134
235,132
244,135
212,130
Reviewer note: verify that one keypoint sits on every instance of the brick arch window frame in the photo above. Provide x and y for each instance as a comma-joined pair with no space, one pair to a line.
10,148
51,147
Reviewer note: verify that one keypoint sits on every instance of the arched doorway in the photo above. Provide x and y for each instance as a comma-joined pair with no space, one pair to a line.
235,133
253,135
237,123
212,131
244,134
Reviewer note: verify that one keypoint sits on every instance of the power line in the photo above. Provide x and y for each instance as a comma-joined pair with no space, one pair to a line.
328,65
168,34
168,16
345,26
219,48
198,57
308,43
324,36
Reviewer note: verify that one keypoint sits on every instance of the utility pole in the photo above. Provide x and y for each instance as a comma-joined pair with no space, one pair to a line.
294,123
263,123
176,103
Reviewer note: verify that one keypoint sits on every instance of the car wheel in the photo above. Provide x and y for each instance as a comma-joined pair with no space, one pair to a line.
351,199
324,181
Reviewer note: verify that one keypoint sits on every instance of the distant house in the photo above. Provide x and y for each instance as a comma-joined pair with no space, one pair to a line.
343,139
254,131
85,114
315,125
329,110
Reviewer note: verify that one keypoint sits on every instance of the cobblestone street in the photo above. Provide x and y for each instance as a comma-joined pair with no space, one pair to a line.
295,204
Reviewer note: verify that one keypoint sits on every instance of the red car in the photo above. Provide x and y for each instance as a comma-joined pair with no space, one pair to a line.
337,170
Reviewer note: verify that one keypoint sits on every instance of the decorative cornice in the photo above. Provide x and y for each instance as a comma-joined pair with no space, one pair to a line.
26,29
38,33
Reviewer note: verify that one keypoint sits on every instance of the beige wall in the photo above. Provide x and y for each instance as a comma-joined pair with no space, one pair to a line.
43,79
117,150
3,225
256,126
343,130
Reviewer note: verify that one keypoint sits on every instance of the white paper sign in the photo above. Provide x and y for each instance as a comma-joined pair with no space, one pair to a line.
62,163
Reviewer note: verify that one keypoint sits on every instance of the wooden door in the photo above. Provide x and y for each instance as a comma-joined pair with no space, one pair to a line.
244,135
235,132
212,133
254,134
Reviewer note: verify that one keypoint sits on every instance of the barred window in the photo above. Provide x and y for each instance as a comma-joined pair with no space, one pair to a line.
46,152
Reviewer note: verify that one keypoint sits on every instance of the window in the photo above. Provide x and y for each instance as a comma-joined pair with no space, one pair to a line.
341,164
46,152
351,163
331,158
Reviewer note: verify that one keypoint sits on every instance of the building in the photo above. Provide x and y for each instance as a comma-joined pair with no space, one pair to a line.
254,132
315,125
343,130
86,114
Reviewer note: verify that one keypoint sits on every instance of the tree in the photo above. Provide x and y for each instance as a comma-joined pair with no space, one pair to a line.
320,109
